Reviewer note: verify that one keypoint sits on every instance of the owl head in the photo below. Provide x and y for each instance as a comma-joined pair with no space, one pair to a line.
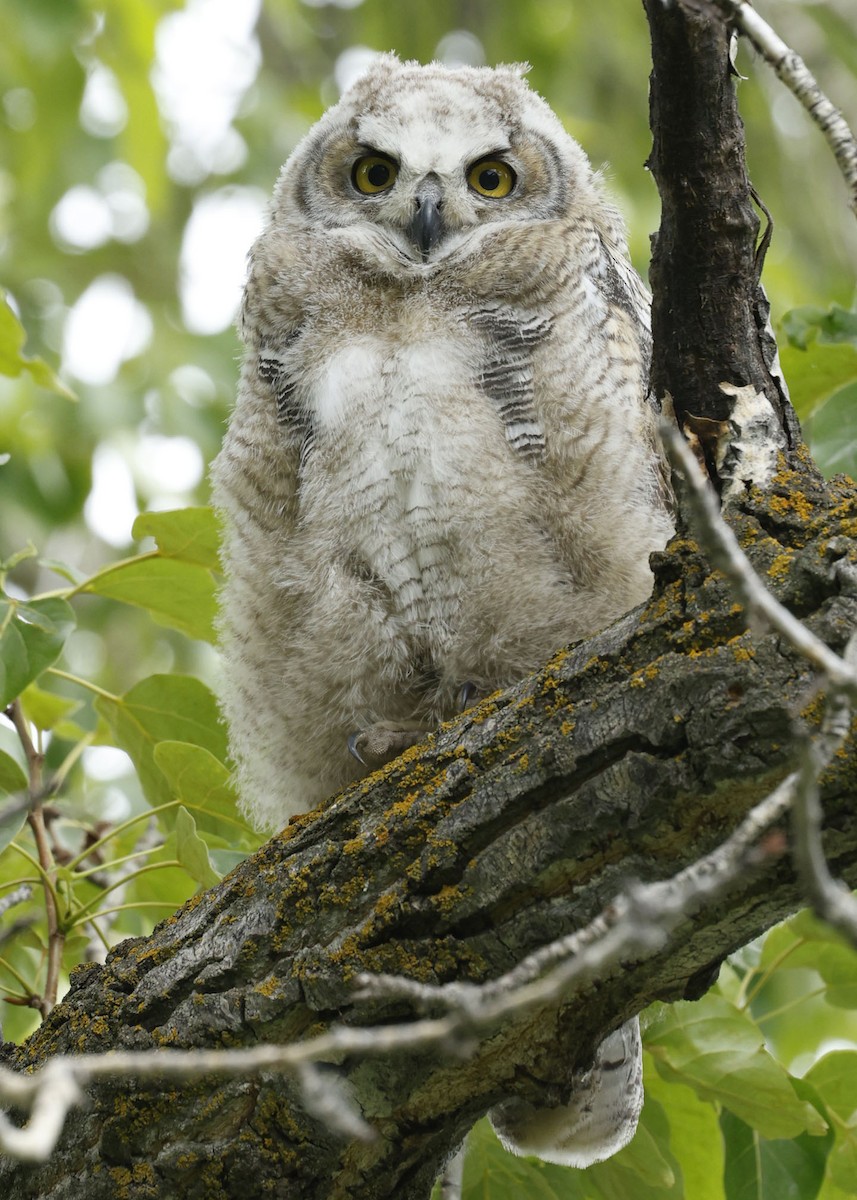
426,155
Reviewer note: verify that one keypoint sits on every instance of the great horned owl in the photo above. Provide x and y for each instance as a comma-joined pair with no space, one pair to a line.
442,466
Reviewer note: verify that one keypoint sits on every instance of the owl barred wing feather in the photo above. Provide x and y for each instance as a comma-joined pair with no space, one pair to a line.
441,466
507,375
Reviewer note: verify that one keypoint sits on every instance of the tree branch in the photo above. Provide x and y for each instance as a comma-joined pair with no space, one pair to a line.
632,755
714,354
795,74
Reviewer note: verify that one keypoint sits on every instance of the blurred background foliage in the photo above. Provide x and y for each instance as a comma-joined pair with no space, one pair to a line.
139,141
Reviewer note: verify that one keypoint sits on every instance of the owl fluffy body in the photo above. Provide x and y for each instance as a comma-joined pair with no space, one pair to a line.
442,466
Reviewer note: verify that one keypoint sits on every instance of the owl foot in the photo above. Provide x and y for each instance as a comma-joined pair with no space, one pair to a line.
381,743
467,694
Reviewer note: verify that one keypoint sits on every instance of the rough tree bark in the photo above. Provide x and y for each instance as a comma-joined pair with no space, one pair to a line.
630,755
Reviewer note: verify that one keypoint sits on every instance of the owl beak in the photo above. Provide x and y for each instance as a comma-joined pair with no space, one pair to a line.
426,226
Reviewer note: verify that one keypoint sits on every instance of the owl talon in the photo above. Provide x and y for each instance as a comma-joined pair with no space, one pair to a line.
466,695
353,749
381,743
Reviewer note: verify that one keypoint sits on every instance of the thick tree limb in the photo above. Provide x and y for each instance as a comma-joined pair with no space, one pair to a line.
629,756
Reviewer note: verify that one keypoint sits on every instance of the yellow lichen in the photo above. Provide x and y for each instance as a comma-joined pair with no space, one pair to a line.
781,566
796,502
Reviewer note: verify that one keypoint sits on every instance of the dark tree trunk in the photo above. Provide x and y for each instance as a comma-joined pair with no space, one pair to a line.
628,756
709,313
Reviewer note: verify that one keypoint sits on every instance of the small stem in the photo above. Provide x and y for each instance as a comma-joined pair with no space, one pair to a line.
86,584
13,997
143,816
85,912
17,975
35,760
36,821
98,932
103,912
62,771
116,862
747,994
84,683
12,883
43,877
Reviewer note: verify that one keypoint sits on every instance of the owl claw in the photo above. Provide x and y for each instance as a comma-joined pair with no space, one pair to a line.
381,743
466,695
353,749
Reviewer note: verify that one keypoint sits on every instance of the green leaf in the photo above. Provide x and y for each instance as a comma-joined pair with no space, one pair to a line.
46,710
830,1191
192,852
759,1169
817,373
491,1173
804,325
831,431
804,941
13,814
645,1169
13,777
12,359
33,637
792,941
74,577
718,1051
189,534
225,861
695,1138
834,1078
178,594
163,708
202,782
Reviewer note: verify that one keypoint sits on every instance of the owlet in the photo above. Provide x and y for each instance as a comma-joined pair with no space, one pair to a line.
442,465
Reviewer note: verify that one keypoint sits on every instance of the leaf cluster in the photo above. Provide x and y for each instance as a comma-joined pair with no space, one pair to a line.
110,875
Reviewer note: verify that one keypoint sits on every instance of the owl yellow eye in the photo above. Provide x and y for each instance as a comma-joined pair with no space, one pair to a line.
373,174
491,177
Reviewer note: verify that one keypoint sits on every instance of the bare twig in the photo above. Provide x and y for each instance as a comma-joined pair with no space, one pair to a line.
18,896
793,71
831,899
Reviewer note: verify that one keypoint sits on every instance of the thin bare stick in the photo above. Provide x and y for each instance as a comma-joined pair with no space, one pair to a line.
794,73
831,899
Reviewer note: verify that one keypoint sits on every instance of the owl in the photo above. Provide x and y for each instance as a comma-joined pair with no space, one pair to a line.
442,466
